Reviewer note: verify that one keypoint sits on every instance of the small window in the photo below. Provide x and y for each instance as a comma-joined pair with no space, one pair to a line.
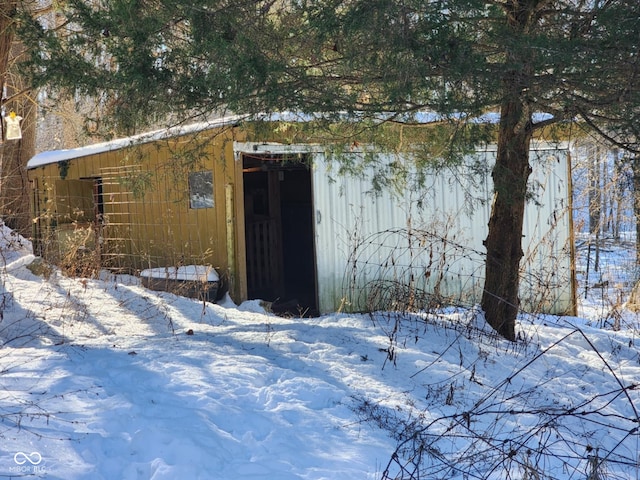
201,189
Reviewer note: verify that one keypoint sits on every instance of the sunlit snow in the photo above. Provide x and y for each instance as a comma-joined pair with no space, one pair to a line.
104,379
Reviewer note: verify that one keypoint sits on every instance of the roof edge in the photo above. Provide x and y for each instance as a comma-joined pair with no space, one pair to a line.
56,156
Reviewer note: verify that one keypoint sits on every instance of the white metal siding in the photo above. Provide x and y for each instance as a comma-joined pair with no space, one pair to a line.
346,212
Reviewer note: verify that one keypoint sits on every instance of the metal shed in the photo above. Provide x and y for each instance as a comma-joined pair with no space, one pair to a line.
282,222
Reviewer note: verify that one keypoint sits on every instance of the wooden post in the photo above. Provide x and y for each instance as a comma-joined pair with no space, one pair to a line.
231,243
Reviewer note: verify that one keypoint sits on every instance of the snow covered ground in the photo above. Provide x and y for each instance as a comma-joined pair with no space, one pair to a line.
104,379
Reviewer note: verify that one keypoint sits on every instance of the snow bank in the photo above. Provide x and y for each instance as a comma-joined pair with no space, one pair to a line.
189,273
15,250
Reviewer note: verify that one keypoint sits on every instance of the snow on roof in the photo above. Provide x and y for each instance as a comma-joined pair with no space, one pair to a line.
55,156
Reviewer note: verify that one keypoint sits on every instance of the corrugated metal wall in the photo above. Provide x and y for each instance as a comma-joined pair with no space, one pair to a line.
379,249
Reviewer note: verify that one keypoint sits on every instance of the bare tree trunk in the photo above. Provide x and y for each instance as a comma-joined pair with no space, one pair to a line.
15,200
14,186
635,167
595,193
7,9
500,300
618,193
605,193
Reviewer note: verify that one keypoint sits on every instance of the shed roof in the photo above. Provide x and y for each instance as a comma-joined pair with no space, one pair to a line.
55,156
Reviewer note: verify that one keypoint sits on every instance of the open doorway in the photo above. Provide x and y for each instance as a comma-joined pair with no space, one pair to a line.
279,232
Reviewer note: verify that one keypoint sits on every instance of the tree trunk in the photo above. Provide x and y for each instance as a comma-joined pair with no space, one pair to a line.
6,41
635,166
15,201
15,198
500,299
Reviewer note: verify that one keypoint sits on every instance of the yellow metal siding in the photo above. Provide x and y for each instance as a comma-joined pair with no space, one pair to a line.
147,219
75,201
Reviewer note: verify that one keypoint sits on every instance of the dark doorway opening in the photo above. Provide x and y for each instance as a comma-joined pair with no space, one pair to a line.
279,233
